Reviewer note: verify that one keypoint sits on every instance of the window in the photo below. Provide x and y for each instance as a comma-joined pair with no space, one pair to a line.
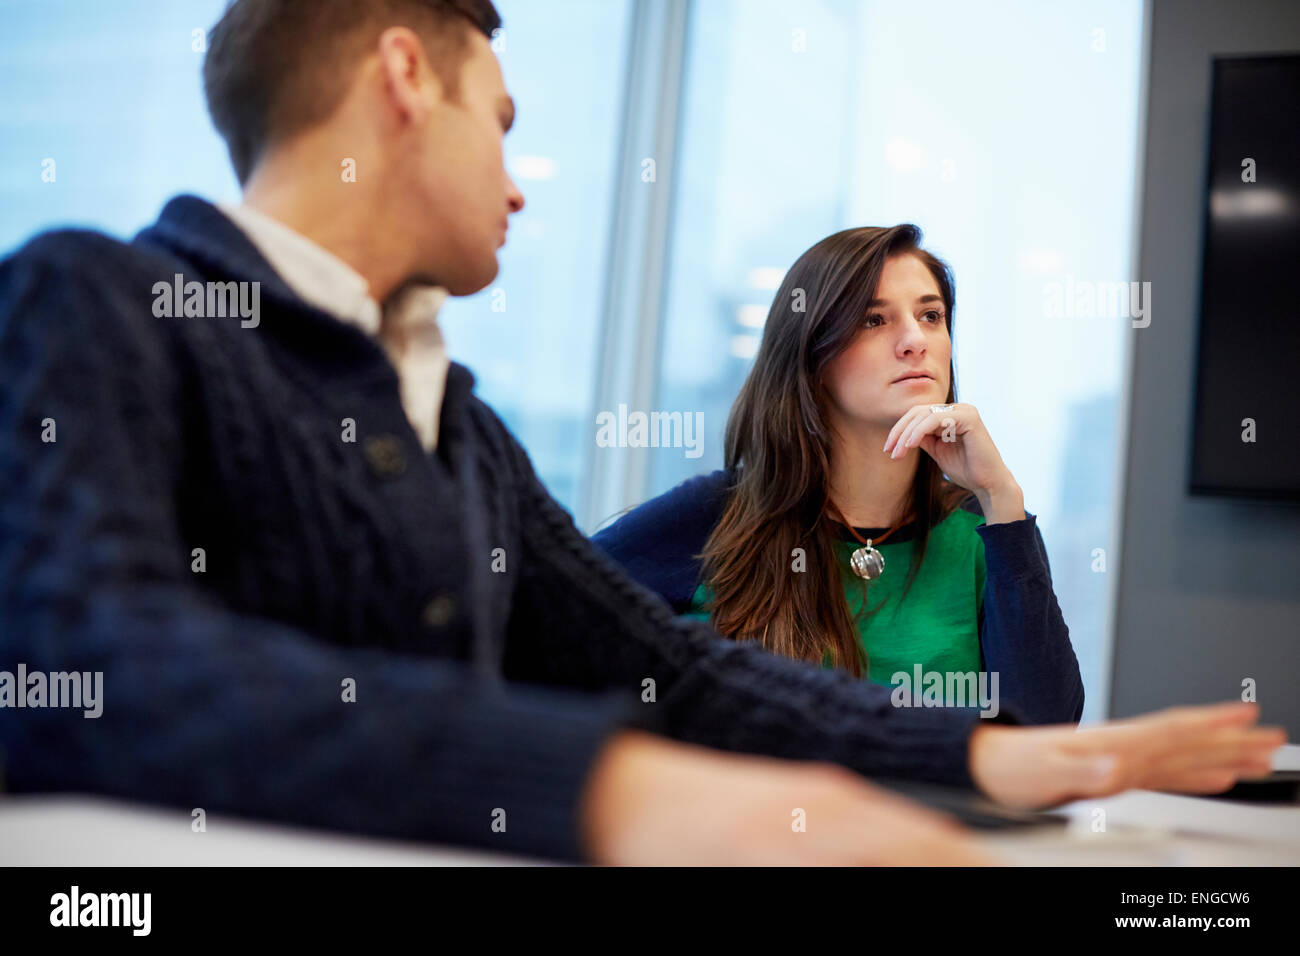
111,93
1014,156
531,337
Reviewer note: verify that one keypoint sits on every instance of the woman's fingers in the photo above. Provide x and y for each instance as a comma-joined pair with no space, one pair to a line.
911,415
925,423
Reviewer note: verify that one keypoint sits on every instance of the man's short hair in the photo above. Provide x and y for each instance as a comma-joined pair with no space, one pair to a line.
277,67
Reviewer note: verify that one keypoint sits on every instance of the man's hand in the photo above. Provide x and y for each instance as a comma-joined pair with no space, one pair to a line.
1183,749
652,802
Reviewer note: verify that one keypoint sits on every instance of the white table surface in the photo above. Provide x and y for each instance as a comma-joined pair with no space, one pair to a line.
1142,829
1159,829
91,831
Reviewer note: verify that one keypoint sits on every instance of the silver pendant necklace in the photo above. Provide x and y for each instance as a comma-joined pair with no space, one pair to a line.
866,561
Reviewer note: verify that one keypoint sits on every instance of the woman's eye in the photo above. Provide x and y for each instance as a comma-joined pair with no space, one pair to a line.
934,316
872,321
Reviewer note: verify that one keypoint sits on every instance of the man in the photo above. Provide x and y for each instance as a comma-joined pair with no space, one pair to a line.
321,579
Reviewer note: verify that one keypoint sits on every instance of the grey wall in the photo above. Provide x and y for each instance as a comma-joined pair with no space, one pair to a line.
1209,591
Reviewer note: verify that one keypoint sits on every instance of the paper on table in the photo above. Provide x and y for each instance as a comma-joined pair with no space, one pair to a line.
1279,825
1287,757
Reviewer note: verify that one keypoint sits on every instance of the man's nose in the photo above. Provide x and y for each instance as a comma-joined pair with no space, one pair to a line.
514,198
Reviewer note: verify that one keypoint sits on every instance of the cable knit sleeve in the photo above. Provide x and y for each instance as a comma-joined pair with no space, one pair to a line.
203,706
579,619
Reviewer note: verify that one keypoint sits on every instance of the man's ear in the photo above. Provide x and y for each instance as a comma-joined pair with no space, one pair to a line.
410,82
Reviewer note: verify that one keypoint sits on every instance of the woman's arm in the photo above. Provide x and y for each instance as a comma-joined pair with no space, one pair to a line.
1023,635
657,543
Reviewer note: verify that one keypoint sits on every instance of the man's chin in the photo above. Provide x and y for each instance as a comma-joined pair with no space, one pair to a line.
470,281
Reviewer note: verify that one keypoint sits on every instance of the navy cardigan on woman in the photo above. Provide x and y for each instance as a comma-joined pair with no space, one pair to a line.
301,615
1023,636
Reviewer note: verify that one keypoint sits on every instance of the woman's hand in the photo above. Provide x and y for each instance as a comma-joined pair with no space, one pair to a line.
964,451
1183,749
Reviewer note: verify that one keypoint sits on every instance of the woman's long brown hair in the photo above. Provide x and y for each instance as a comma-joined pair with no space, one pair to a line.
778,456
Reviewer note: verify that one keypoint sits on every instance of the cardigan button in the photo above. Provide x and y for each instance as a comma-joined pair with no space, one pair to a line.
386,456
439,611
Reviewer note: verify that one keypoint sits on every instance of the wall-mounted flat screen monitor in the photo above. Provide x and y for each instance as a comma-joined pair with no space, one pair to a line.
1246,422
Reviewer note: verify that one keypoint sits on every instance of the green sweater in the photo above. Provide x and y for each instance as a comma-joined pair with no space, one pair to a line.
937,625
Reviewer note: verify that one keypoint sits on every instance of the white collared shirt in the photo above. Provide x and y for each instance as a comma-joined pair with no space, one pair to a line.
407,327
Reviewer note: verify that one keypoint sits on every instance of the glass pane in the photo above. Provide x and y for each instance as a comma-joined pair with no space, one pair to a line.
112,93
1018,160
531,337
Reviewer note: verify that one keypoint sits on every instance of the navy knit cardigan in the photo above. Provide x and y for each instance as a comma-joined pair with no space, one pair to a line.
1023,636
493,649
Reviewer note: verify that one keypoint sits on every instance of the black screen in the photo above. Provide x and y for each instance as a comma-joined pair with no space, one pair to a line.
1248,362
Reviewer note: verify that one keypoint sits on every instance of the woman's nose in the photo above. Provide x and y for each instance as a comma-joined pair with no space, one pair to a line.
911,340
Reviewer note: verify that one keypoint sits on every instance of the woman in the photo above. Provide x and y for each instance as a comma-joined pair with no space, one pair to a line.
833,534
